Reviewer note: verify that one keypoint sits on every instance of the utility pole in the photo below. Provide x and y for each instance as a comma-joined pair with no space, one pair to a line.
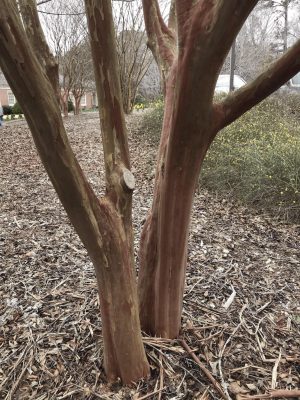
232,66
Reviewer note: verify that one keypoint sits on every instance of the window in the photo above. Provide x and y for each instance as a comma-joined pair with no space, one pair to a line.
83,101
11,98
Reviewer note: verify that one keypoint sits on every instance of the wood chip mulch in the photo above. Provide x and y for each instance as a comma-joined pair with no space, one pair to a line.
241,318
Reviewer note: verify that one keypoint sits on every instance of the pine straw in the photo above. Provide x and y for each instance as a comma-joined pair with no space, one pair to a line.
241,312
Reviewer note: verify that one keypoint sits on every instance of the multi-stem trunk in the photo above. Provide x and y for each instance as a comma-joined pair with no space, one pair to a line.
104,225
163,248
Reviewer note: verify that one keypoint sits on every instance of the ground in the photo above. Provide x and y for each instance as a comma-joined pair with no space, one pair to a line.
241,315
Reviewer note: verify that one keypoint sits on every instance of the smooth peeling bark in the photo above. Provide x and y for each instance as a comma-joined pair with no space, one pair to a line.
164,237
148,256
124,355
97,222
167,252
35,35
118,296
177,195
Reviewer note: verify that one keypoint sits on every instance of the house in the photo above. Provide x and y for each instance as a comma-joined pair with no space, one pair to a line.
88,101
7,97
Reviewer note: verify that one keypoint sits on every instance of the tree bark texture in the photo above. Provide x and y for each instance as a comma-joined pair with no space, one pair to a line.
190,61
39,44
205,33
104,225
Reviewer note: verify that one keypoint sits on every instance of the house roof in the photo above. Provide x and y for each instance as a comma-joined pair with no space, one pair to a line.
3,81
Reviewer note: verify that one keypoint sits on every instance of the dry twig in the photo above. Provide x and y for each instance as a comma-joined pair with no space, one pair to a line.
274,394
204,369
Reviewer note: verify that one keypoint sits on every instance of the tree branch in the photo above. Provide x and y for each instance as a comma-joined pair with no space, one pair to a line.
43,2
172,16
242,100
113,127
204,43
161,39
100,23
38,41
37,99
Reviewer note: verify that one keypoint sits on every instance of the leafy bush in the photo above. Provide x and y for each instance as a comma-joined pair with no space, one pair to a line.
257,160
139,99
16,109
152,121
70,106
7,110
288,102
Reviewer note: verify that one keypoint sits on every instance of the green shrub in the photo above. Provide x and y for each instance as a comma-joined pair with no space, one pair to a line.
139,99
287,102
70,106
16,109
257,160
7,110
152,121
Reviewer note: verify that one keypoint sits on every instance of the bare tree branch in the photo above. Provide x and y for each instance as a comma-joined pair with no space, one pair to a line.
31,86
161,39
172,16
43,2
37,38
61,14
240,101
108,88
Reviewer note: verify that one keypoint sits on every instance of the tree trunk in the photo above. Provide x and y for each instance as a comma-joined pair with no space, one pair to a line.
65,109
104,225
124,355
64,98
127,97
77,105
163,248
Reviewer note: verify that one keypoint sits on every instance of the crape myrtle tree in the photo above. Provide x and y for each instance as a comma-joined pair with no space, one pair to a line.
190,50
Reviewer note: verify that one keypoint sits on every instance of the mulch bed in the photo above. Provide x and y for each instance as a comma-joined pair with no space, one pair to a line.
241,318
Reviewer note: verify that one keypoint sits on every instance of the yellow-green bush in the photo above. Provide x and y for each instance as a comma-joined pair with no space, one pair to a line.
152,121
256,159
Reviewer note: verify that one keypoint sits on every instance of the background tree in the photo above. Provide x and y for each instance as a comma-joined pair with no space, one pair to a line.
66,29
83,74
134,57
190,52
281,9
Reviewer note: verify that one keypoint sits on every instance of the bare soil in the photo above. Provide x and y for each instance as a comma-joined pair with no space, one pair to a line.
241,315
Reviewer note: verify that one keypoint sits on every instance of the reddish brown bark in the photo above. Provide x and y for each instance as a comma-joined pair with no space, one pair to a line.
190,61
125,353
104,225
206,30
39,44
